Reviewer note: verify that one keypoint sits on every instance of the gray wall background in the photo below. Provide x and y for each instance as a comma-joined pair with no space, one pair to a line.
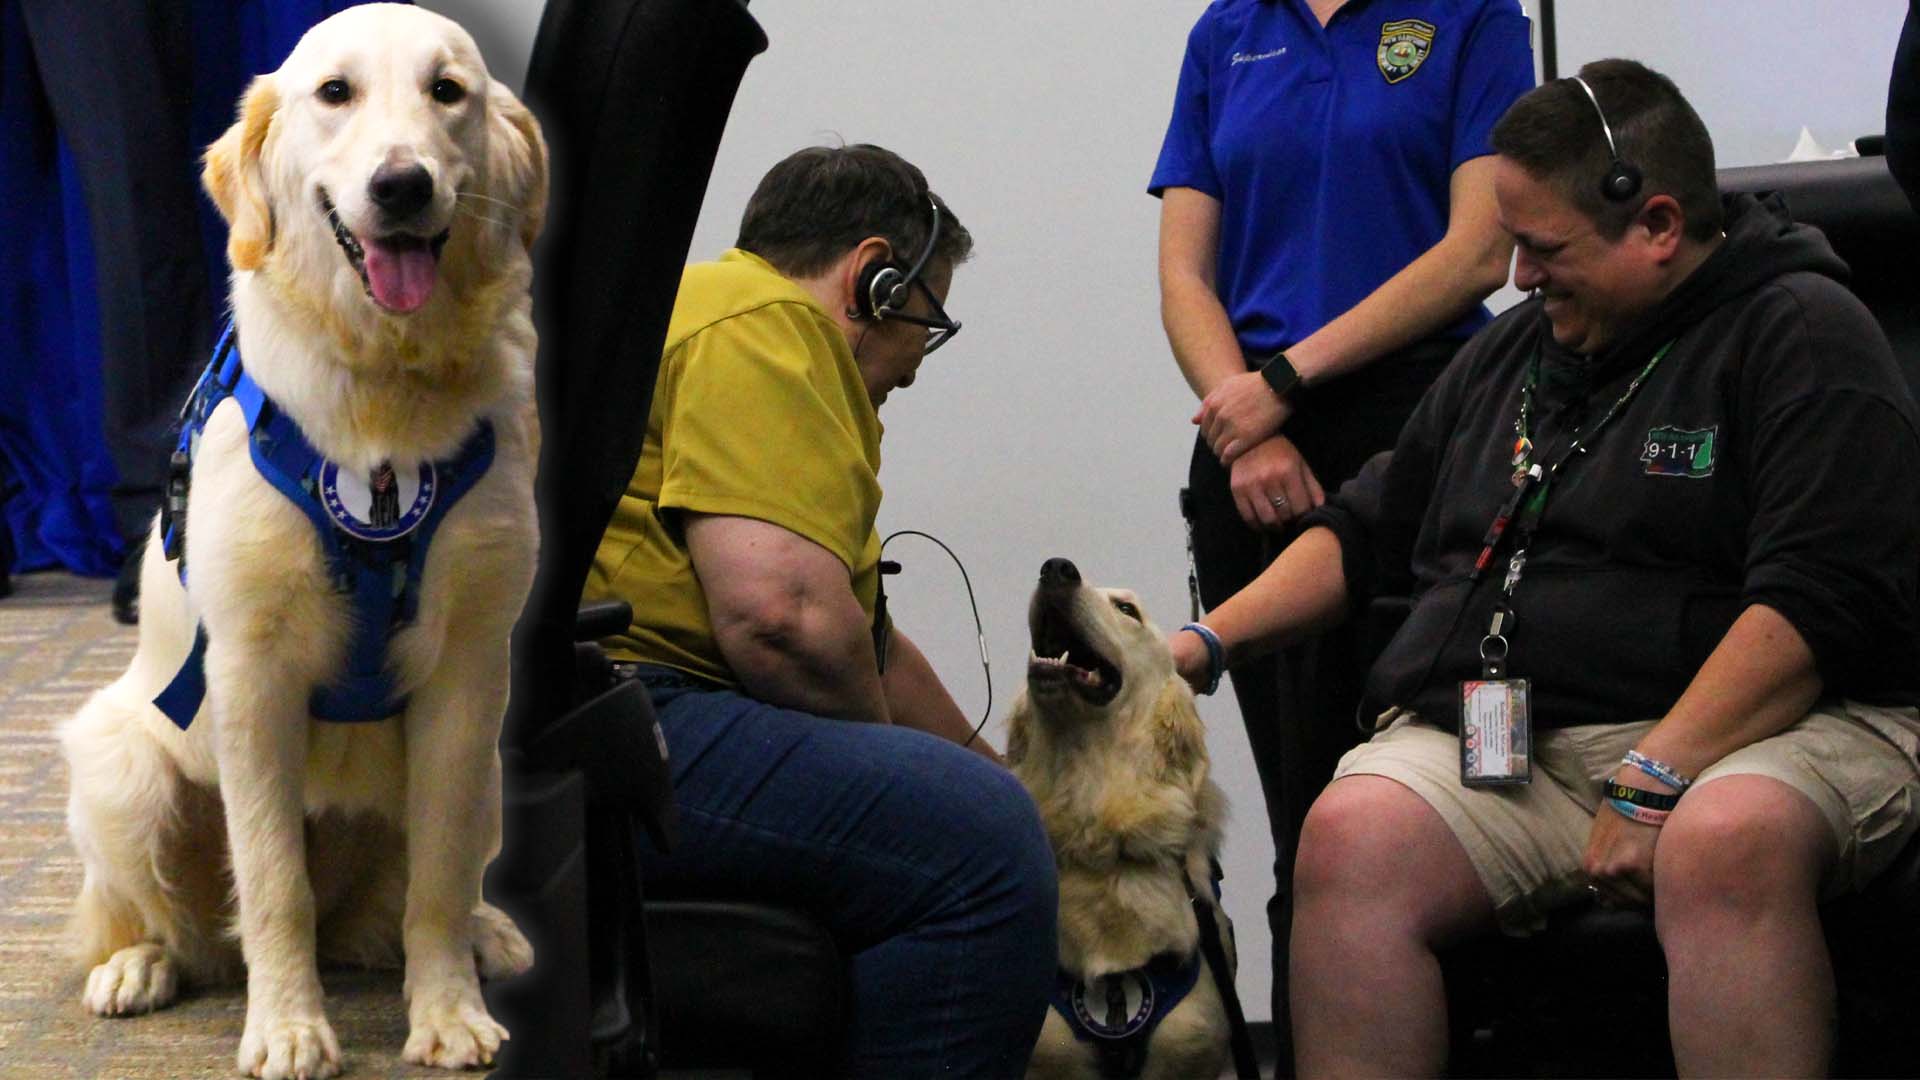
1056,424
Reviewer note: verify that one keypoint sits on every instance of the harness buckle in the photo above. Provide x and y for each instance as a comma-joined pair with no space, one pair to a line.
173,511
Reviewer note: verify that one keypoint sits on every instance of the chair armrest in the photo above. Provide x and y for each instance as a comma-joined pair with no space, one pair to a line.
614,740
1378,624
602,618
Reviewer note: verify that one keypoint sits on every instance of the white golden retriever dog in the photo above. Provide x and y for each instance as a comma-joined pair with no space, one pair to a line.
1106,738
382,192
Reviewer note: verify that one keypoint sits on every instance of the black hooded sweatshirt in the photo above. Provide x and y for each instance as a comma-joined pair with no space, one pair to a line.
1770,458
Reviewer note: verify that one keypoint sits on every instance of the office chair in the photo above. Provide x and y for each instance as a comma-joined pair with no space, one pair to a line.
632,96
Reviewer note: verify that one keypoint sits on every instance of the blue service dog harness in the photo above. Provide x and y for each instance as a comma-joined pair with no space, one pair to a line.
1117,1013
374,533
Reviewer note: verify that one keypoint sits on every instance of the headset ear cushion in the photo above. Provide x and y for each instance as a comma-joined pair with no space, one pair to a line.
1622,182
878,292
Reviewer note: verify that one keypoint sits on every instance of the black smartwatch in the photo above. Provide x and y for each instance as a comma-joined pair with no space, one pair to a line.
1280,374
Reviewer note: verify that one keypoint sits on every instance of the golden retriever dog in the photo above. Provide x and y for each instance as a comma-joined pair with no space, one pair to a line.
1106,737
382,193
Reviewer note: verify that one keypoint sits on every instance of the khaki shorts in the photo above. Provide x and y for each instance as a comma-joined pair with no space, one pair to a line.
1855,762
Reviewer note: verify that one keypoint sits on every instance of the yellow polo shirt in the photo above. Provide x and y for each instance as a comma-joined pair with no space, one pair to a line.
758,411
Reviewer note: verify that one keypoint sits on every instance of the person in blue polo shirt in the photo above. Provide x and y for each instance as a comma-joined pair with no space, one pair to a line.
1328,235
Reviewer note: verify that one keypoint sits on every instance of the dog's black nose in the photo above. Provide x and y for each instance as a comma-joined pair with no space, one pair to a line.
401,191
1059,572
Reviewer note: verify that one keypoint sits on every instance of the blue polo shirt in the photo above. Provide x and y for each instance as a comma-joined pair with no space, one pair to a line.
1331,149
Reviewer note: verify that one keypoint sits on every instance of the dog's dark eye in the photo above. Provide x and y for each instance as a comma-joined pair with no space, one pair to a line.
334,92
446,91
1127,609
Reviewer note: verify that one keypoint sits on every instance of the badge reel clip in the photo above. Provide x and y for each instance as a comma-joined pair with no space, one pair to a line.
1495,728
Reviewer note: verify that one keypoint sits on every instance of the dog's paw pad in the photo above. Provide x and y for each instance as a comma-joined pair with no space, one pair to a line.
137,979
453,1032
499,947
290,1050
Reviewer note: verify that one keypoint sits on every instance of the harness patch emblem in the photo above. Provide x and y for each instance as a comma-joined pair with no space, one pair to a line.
1671,451
384,505
1113,1006
1404,45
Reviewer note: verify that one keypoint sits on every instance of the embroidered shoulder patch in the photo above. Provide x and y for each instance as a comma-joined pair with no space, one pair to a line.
1672,451
1404,45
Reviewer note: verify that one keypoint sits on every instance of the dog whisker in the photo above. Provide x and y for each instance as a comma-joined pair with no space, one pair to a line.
478,216
474,195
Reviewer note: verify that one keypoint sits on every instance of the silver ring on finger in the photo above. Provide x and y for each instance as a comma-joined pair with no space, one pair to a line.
1279,502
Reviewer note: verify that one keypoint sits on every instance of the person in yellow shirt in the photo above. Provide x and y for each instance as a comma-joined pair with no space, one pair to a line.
806,769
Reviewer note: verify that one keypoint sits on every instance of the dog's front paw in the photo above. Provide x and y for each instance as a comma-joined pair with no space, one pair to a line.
499,947
276,1048
451,1030
137,979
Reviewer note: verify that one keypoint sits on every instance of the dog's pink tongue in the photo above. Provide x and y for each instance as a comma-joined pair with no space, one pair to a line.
401,273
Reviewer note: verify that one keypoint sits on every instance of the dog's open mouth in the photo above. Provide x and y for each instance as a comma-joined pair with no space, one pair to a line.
397,270
1062,659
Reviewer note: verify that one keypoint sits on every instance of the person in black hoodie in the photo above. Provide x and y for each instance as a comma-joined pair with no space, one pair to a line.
1664,509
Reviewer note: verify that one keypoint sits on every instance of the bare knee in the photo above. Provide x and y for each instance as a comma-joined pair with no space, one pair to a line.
1341,841
1742,846
1371,843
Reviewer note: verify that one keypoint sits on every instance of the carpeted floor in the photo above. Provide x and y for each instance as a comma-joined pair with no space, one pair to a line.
58,643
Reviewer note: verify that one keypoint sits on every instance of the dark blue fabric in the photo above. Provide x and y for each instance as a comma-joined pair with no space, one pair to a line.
57,477
1331,177
54,469
926,862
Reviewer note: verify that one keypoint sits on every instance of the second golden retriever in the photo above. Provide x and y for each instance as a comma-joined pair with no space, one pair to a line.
1107,739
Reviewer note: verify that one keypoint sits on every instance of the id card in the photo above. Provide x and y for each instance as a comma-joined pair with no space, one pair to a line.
1494,733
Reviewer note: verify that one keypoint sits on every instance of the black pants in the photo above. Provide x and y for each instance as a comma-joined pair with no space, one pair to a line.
1299,707
117,74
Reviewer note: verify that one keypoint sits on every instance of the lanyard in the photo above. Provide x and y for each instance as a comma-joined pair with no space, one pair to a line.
1532,480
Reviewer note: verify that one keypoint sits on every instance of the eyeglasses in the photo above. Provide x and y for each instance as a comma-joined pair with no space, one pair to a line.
940,328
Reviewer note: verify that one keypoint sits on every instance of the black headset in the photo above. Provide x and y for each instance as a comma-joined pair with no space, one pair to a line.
1622,181
883,289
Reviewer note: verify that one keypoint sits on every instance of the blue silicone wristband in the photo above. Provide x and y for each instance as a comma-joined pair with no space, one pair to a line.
1659,770
1216,655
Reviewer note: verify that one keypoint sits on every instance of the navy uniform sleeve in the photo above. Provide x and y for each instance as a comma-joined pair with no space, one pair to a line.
1834,541
1186,157
1495,71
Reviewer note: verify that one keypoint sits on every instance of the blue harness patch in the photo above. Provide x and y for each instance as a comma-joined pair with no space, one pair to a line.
1125,1007
374,532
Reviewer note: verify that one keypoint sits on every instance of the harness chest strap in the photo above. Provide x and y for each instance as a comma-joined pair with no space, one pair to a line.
378,566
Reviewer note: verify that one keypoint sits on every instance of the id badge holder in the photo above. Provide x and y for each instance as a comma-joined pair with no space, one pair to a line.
1495,720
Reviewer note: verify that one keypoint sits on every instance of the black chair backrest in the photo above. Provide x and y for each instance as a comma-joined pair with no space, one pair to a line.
632,96
1866,216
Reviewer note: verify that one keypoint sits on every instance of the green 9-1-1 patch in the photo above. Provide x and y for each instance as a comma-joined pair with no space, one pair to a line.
1670,451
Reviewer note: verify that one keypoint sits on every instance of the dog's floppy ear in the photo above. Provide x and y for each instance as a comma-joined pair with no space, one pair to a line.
235,179
1178,733
516,160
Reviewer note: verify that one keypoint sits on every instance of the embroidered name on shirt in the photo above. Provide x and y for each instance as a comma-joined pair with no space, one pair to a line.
1685,452
1248,58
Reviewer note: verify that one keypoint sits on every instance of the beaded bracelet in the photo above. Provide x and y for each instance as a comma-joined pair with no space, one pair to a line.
1652,800
1216,655
1659,770
1641,814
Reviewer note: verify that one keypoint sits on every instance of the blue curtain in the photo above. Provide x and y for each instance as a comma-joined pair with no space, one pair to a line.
55,472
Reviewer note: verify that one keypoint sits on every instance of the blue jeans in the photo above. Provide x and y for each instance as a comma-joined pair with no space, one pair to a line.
927,863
